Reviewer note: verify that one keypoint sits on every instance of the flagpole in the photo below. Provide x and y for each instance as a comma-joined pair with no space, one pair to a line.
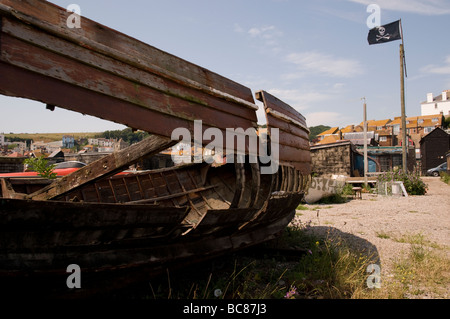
402,98
366,164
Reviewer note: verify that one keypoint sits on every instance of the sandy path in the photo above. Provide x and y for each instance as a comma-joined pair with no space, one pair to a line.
375,223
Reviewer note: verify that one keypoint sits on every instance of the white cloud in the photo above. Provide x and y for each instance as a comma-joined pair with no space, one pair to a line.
238,28
423,7
266,32
327,118
315,62
443,69
268,36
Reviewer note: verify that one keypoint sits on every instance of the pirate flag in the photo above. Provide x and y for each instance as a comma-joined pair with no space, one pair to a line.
385,33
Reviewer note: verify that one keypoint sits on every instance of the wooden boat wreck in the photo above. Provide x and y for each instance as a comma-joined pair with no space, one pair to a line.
122,228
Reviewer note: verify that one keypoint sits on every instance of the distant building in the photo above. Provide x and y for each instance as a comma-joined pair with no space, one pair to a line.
39,145
2,139
68,141
102,142
436,105
120,145
417,126
332,131
433,149
357,138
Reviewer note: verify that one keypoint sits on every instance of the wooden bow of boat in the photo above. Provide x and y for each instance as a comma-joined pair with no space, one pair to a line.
143,221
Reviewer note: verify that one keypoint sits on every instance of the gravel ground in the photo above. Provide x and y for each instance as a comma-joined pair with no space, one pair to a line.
375,223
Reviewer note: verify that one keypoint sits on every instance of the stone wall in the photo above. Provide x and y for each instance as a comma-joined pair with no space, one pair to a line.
332,159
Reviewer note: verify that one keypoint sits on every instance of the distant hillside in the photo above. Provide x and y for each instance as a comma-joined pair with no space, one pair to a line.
316,130
46,137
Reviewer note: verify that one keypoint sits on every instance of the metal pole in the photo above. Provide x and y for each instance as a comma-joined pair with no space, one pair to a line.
366,164
402,95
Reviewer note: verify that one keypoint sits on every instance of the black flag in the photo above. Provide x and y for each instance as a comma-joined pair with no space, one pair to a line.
385,33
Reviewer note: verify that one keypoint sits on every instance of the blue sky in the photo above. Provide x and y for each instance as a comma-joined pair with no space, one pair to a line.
313,55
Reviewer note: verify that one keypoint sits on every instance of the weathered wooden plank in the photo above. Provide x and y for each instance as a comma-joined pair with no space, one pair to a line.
103,167
160,198
137,75
110,42
6,188
277,107
20,82
299,142
166,98
292,154
286,127
38,225
293,142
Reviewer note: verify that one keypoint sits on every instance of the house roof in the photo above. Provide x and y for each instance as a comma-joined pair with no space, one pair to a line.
347,129
377,123
414,121
332,130
437,98
329,139
437,131
15,154
386,132
337,143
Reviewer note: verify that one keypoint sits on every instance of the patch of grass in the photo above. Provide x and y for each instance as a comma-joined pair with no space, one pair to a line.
422,271
49,137
333,199
328,268
383,235
445,177
416,239
301,207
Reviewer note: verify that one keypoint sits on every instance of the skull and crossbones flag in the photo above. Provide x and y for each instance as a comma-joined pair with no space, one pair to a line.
385,33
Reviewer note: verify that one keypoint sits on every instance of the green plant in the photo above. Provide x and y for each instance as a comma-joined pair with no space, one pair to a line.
445,177
347,190
414,185
41,166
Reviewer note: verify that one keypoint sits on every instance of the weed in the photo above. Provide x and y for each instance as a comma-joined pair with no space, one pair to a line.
41,166
445,177
412,181
383,235
328,268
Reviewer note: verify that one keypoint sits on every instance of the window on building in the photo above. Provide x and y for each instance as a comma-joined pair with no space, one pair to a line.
397,129
435,119
420,121
384,163
383,138
397,160
428,129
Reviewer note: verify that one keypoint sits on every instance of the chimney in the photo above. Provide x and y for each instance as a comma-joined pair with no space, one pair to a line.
444,96
429,97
